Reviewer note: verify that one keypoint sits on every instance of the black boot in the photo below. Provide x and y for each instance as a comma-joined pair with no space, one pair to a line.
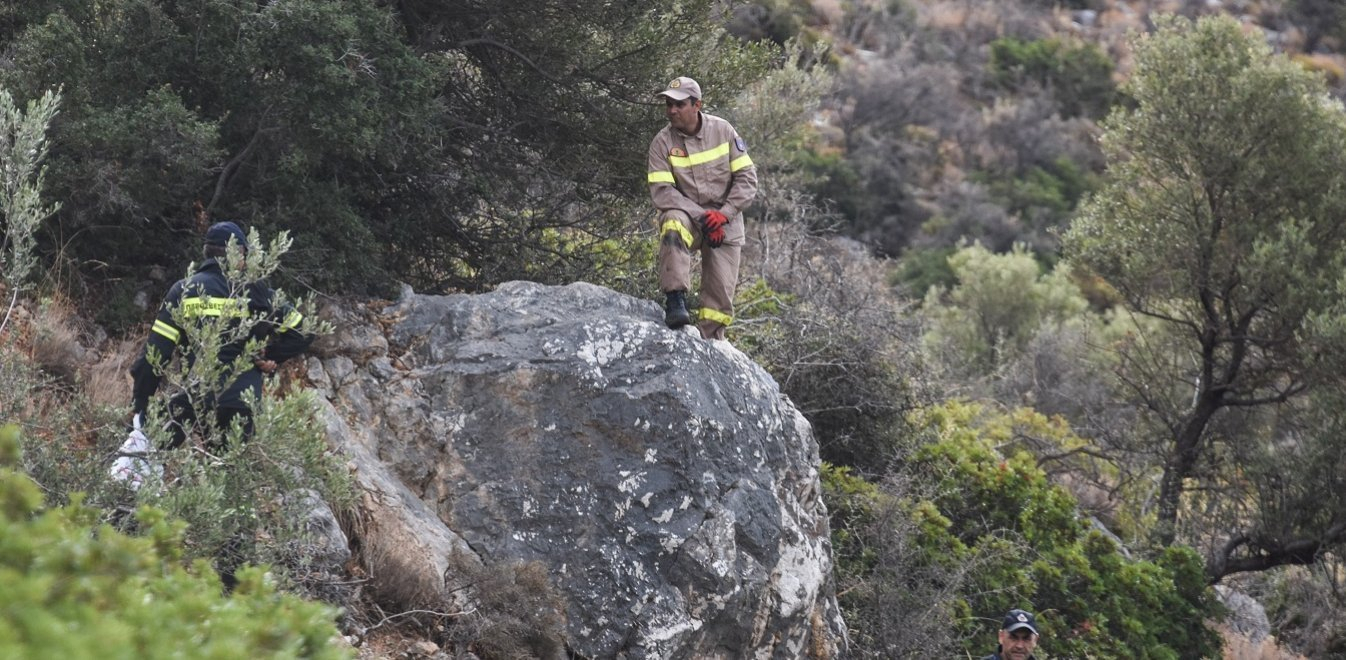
675,309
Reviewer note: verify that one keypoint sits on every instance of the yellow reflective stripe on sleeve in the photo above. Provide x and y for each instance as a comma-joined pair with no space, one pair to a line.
673,225
292,321
166,330
661,177
740,163
208,306
707,156
708,314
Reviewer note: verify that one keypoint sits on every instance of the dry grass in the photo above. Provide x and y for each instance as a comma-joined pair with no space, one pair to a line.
54,341
518,612
506,610
1239,647
106,382
88,387
1332,66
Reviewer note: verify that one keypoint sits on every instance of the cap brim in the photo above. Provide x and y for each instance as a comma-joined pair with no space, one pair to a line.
1021,626
675,94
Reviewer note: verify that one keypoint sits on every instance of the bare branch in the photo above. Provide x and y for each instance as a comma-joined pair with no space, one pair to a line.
1266,553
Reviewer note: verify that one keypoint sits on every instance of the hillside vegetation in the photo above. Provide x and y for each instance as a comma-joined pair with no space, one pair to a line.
1058,284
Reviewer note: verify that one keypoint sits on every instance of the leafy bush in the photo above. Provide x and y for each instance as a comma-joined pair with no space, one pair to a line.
1102,605
23,146
973,520
820,318
832,178
1079,75
997,306
75,588
623,264
244,504
921,269
1042,196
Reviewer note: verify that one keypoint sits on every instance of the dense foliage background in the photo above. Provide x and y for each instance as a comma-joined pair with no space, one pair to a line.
1057,283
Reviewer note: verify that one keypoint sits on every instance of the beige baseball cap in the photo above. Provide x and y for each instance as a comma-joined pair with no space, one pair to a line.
681,88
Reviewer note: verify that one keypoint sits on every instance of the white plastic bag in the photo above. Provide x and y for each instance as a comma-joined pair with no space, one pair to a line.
132,465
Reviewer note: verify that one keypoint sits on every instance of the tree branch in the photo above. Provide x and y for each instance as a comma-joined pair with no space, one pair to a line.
487,41
232,166
1296,552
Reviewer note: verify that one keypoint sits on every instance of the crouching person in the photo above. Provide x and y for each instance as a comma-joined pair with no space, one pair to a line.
242,326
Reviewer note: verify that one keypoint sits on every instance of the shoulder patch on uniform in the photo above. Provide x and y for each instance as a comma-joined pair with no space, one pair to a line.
677,152
741,144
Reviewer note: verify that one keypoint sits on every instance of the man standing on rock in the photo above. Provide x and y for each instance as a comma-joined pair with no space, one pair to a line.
700,179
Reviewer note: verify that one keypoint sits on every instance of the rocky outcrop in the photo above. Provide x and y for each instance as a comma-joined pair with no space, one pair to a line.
1245,616
668,488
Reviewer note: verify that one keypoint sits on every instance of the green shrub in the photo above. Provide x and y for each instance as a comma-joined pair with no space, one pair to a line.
78,589
841,351
921,269
999,303
1078,74
852,503
970,527
624,263
1043,196
833,178
238,503
23,147
1098,603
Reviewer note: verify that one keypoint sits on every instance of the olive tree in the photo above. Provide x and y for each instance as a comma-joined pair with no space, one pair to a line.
23,146
998,305
1220,221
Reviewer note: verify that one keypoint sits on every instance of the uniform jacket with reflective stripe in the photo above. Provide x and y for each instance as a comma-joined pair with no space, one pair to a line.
696,173
204,295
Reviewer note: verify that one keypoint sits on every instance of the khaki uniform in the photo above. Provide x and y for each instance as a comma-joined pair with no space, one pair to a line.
689,175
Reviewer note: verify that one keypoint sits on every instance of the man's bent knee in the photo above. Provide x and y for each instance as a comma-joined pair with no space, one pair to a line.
674,232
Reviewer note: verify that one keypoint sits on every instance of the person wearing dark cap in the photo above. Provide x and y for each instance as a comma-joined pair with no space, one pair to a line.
248,311
700,179
1018,637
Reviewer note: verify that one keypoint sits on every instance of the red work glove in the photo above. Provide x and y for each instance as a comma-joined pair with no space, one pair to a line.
712,227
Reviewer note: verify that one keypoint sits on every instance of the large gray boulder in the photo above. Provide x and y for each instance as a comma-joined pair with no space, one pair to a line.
666,485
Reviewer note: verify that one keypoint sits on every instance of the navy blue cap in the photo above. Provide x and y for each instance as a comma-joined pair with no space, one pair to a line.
220,233
1017,619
